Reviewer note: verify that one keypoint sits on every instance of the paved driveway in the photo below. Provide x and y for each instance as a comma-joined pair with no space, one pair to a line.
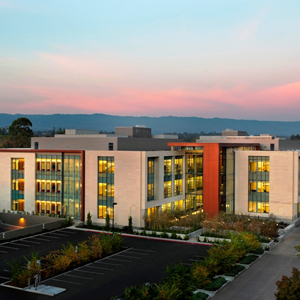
258,282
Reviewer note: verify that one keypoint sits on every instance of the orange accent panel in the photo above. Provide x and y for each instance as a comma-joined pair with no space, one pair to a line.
211,161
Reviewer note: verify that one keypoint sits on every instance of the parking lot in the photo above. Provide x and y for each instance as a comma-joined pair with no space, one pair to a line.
143,260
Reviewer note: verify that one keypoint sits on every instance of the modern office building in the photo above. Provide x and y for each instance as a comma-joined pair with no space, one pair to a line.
134,173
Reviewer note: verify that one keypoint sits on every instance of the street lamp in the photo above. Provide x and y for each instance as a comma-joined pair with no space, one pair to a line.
113,227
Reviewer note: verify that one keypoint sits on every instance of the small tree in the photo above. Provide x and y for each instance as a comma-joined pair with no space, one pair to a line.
130,229
107,222
289,287
89,222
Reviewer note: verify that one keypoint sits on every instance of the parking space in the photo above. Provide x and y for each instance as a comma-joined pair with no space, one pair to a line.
144,260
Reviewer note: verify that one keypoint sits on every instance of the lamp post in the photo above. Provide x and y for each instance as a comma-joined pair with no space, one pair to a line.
113,227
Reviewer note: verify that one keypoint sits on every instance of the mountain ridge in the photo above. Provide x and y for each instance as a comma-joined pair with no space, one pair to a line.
164,124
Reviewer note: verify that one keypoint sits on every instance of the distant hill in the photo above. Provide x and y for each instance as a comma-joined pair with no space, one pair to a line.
159,125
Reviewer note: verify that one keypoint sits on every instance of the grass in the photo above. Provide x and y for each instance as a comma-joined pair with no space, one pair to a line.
235,270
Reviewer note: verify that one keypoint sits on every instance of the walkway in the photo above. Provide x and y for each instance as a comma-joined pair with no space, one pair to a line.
258,282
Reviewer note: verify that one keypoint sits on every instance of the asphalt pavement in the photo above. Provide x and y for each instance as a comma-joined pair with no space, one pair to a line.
143,260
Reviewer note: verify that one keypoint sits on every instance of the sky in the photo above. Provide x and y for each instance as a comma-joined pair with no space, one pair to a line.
213,58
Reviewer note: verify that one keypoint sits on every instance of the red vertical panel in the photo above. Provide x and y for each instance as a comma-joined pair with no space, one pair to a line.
211,161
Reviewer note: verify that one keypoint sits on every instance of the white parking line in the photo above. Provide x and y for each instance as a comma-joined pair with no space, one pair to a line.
137,253
89,272
77,276
99,268
128,256
65,281
142,250
9,247
13,243
4,277
100,262
119,260
40,239
52,237
23,240
59,234
68,231
3,252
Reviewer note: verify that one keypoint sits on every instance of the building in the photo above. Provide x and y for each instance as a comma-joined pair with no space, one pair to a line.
134,173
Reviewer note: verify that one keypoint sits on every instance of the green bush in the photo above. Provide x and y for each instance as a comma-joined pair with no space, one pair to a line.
234,270
164,235
181,275
215,284
248,259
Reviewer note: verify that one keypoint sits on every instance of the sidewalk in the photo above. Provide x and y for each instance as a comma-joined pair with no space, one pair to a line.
258,282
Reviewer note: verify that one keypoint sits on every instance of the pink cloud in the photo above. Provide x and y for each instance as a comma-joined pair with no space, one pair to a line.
238,102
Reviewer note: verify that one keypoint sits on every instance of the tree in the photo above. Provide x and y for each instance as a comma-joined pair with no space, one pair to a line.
288,288
20,132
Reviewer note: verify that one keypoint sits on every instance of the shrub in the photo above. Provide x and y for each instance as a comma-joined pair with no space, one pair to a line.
181,275
164,235
186,237
173,235
201,274
289,287
216,284
221,258
169,291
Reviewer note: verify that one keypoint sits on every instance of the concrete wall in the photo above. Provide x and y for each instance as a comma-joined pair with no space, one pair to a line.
31,224
283,181
130,180
5,180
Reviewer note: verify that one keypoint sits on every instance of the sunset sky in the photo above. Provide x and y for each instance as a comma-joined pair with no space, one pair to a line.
230,59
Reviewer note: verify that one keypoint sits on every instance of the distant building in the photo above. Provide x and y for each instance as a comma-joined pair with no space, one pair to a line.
133,173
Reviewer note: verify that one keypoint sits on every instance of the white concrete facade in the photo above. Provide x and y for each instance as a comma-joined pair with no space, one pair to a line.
283,181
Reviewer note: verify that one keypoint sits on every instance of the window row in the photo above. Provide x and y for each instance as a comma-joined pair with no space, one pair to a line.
48,186
259,186
17,185
259,164
106,165
106,190
48,165
259,206
18,164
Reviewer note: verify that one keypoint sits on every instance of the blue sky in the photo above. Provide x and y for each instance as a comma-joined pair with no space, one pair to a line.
231,59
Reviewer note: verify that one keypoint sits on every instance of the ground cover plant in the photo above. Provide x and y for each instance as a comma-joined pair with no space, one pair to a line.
216,284
200,296
248,259
234,270
58,261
